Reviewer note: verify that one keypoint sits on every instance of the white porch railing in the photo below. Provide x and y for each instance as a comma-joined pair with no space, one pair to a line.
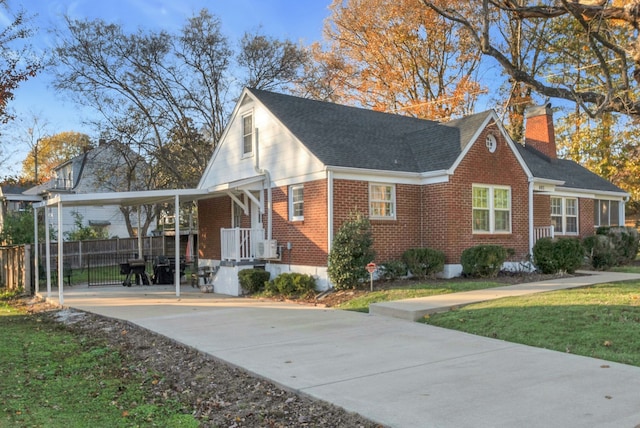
239,244
542,232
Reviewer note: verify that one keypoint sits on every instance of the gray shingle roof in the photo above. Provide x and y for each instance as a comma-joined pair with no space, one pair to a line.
353,137
574,175
346,136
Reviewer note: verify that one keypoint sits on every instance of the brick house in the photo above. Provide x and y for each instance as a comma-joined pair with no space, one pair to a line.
288,171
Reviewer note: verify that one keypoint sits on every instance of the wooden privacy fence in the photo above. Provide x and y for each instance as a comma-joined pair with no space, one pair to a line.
15,268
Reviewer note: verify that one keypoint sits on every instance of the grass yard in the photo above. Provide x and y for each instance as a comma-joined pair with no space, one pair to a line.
51,378
361,303
601,321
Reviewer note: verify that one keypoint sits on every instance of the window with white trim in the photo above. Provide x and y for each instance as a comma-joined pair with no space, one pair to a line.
491,209
564,215
247,134
382,201
296,202
606,213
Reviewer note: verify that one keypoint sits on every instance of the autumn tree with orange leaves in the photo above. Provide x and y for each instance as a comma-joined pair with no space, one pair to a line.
394,56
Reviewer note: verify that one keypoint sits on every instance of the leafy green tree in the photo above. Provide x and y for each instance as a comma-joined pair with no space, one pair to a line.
18,228
351,251
82,232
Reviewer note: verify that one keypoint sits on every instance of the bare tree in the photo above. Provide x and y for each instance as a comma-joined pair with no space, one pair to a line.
606,33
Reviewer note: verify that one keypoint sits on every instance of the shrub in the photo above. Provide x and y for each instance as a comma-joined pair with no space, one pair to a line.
561,255
351,251
423,262
483,260
625,242
392,270
253,280
292,284
543,256
569,254
600,251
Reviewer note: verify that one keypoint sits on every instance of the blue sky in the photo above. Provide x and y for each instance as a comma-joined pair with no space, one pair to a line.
297,20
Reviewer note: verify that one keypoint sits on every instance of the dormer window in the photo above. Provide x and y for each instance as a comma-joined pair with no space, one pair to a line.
247,134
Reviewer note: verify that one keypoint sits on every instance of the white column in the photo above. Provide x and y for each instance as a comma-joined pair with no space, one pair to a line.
47,250
177,245
36,255
60,257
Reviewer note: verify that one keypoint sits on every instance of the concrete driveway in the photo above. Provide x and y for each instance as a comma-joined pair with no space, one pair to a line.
395,372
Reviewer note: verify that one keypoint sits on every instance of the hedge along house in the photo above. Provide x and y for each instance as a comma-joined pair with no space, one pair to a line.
289,171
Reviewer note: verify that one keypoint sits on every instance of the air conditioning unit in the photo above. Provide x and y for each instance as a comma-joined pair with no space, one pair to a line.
267,249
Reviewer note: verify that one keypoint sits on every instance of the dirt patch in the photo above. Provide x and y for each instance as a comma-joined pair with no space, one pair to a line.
214,392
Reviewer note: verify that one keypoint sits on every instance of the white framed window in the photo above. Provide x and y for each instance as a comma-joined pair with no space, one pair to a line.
491,209
296,202
564,215
606,213
247,134
382,201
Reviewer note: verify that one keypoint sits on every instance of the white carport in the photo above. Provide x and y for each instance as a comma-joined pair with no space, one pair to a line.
111,198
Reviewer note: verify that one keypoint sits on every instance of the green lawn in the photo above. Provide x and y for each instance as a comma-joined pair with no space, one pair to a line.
601,321
51,378
361,304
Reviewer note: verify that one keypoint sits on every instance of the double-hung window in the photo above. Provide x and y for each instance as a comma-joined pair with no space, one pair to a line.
247,134
491,209
382,201
296,202
564,215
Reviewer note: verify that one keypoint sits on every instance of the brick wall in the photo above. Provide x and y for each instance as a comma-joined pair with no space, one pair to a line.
308,238
482,167
586,219
213,214
391,237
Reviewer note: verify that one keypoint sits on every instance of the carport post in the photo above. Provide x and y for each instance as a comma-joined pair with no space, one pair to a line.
177,246
47,250
60,257
36,258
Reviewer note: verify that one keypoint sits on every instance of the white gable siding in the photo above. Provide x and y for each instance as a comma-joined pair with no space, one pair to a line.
279,152
110,213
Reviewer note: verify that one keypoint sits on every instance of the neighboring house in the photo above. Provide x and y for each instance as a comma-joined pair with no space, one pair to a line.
12,199
288,171
107,168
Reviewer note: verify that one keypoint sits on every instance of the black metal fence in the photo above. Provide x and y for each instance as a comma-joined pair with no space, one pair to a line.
108,262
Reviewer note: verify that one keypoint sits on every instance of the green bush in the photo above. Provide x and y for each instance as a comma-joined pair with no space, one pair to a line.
625,242
392,270
600,251
351,251
253,280
560,255
483,260
543,257
423,262
569,254
291,285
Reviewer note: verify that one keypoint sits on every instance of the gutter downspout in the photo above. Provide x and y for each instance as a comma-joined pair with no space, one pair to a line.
329,210
267,176
530,216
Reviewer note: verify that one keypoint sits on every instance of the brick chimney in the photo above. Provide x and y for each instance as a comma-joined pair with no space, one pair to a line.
539,132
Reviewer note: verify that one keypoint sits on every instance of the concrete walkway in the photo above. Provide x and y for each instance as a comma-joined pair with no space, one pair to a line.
414,309
398,373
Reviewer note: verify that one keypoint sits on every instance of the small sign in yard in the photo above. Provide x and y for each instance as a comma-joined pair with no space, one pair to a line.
371,268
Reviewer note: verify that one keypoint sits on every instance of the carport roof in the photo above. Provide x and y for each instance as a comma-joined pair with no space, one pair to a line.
127,198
